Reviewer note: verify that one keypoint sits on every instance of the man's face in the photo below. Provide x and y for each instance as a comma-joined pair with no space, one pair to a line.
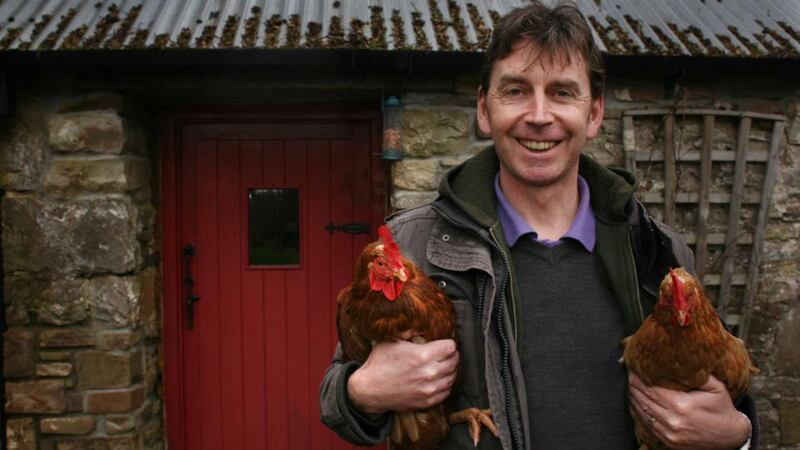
539,113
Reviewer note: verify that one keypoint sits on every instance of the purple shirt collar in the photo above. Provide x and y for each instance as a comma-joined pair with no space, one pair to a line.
514,226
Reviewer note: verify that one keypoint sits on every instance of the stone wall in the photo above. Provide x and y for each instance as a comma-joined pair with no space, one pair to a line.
81,360
439,132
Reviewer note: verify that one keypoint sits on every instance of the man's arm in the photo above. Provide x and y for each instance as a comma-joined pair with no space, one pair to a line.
339,414
397,376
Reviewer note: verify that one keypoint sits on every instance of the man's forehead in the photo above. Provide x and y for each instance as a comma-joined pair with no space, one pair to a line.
529,54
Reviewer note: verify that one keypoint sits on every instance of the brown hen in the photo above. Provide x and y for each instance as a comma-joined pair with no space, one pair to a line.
681,343
390,295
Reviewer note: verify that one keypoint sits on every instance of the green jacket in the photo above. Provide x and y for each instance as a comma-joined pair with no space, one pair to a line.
458,241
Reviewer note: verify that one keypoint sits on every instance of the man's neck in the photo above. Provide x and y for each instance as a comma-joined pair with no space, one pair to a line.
549,210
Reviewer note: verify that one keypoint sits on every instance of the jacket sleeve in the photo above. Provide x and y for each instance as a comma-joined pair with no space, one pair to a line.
747,406
657,248
339,414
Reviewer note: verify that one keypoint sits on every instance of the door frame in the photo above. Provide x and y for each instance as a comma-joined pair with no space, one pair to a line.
172,290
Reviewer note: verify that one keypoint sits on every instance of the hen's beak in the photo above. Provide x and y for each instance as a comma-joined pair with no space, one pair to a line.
401,274
682,317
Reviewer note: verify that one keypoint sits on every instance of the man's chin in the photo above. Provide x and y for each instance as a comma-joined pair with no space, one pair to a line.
542,178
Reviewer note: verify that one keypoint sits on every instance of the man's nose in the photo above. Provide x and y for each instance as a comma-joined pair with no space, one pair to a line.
538,111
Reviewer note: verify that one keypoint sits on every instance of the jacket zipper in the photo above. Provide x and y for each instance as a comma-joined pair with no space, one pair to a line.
515,439
636,279
506,345
496,244
481,294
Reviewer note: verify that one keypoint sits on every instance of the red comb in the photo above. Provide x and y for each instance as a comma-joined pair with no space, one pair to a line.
677,289
390,248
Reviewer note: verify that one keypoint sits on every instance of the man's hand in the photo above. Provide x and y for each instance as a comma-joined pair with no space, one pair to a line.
402,376
699,419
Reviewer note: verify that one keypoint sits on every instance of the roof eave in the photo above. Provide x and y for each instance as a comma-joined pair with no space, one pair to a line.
238,57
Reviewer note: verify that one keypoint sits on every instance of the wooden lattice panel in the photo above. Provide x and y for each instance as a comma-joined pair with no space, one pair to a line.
700,189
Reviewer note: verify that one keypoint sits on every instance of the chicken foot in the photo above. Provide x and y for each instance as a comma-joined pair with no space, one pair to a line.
474,418
405,424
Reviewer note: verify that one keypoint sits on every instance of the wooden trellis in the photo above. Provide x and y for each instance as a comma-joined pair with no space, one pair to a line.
726,277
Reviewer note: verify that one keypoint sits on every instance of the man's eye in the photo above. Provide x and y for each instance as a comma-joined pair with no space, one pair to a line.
563,93
514,92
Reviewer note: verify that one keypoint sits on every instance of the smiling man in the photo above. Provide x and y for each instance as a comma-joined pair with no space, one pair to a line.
539,109
549,261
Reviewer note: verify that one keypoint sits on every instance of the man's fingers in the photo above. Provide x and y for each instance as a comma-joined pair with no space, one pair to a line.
639,410
450,364
435,399
636,384
642,391
438,370
640,405
406,335
646,403
449,380
635,381
454,362
650,415
443,349
438,390
713,385
652,393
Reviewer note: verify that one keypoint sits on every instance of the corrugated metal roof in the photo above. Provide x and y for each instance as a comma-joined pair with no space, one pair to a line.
742,28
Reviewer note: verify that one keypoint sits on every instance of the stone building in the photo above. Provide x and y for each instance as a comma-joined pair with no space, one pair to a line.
147,148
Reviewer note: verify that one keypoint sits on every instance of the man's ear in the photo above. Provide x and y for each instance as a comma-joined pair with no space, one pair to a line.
595,117
483,114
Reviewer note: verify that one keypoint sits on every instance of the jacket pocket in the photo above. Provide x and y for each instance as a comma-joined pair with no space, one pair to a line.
470,346
462,290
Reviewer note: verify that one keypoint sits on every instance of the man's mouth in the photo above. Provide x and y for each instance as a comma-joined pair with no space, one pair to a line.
538,146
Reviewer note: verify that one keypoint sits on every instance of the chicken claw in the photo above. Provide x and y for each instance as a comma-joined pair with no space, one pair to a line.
409,424
474,418
397,431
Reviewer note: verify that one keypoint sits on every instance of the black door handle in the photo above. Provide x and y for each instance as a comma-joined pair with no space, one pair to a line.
349,228
188,281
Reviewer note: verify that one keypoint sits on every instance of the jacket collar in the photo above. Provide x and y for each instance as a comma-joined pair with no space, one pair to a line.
469,186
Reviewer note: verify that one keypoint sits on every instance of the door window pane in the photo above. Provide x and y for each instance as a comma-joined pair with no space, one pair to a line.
274,227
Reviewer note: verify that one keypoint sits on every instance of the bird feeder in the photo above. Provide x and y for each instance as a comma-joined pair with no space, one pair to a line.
392,115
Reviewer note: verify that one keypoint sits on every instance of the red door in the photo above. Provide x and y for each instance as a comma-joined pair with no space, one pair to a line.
258,199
